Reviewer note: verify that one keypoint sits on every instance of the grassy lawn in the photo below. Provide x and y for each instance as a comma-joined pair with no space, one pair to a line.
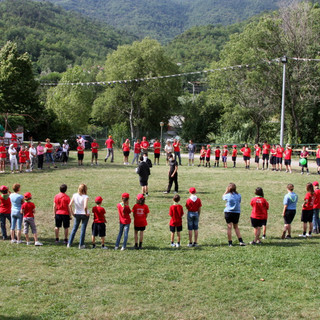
212,281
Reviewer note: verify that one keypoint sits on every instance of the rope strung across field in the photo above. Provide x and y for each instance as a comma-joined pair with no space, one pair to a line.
109,83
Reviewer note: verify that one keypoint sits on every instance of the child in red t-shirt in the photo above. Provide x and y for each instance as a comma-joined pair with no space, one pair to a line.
234,155
259,214
307,211
287,158
80,150
5,210
99,223
208,155
202,155
140,213
176,213
28,209
217,155
3,156
22,158
94,152
124,219
225,153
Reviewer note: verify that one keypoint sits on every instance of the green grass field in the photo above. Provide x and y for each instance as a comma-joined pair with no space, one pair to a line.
212,281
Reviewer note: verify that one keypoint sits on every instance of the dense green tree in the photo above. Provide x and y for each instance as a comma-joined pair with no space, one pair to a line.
141,104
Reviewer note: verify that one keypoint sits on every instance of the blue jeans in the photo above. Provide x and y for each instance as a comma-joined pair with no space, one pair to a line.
177,155
110,153
135,158
77,219
315,219
16,219
193,220
124,227
3,218
49,157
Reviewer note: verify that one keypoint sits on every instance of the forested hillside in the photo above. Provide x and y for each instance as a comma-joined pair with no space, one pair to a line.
165,19
54,37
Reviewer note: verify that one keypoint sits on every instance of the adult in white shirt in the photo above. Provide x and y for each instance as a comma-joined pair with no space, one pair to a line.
32,156
13,158
80,213
168,149
65,152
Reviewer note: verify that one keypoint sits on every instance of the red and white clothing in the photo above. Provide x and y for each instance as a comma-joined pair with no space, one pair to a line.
157,147
193,204
5,204
176,146
318,153
217,153
94,147
203,153
140,213
234,152
80,150
260,208
3,152
98,214
266,148
316,199
308,201
246,152
208,153
109,143
124,213
49,147
258,151
279,153
287,154
61,201
225,152
144,145
137,147
28,208
176,213
22,156
126,147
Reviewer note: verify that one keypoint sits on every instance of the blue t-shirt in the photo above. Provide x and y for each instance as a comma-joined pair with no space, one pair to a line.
16,202
233,202
191,148
290,200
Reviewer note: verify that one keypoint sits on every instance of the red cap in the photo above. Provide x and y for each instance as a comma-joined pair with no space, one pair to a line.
127,140
98,199
125,195
225,146
208,146
192,190
27,195
316,183
3,188
140,196
234,146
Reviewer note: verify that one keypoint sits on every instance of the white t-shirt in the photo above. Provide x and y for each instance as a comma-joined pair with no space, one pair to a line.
65,147
32,152
12,153
79,200
168,148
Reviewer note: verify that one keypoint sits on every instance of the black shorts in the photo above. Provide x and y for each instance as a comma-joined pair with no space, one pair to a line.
139,228
245,158
232,217
94,155
306,215
234,159
208,159
258,222
265,156
62,219
279,160
174,229
143,183
289,216
157,155
256,159
287,162
217,158
273,160
80,156
126,153
99,229
318,162
201,158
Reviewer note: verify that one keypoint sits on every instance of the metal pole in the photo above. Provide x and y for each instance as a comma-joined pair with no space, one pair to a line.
284,62
193,90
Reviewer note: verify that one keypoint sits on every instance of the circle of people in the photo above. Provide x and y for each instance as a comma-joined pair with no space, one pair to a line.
19,209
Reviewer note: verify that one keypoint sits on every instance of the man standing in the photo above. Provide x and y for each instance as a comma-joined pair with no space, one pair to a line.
143,171
144,145
176,147
109,144
191,151
173,175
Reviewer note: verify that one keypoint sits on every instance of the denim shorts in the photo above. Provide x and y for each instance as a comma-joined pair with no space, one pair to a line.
193,220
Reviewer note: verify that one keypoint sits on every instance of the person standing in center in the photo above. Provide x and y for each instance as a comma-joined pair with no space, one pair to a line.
173,175
157,150
143,171
137,151
176,147
81,214
40,155
109,144
126,151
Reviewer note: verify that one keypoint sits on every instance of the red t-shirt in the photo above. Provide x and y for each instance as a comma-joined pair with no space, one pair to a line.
49,147
109,143
208,154
176,146
246,152
140,213
217,153
176,213
28,208
203,153
273,152
80,150
3,152
224,153
318,153
144,144
309,199
62,201
5,204
266,148
260,208
157,147
234,152
258,151
316,199
125,147
22,157
94,147
98,214
193,206
287,154
279,152
27,154
137,147
124,213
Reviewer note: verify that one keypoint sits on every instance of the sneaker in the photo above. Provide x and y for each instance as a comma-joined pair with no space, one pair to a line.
68,245
166,192
242,244
190,245
302,235
123,248
195,244
116,248
14,241
230,245
65,241
104,247
288,237
19,241
253,243
82,247
178,245
173,245
28,243
309,235
38,243
264,237
259,242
